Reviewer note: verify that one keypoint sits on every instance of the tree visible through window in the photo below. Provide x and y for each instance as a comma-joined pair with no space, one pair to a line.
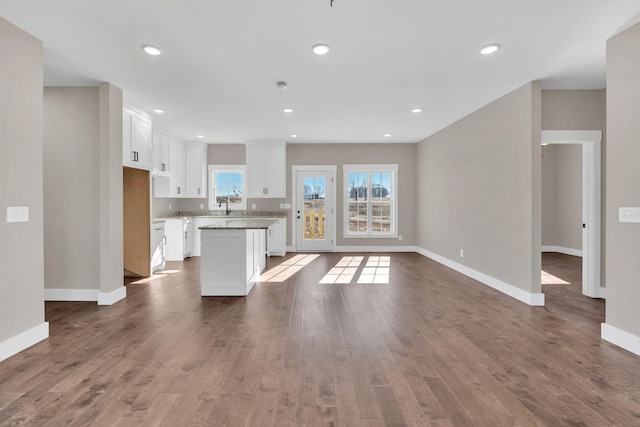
371,200
227,183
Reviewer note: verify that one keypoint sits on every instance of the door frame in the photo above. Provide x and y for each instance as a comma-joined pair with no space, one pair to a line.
333,169
591,142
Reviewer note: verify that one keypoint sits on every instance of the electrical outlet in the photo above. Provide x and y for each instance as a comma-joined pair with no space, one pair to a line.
461,253
169,206
400,237
18,214
253,206
629,214
201,205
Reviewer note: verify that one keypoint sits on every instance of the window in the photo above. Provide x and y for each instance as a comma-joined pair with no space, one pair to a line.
371,200
227,182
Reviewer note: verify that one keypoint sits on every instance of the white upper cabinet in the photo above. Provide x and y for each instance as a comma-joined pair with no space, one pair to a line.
266,170
177,175
196,170
160,164
136,140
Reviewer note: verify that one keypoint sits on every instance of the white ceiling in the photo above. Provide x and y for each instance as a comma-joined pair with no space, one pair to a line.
222,59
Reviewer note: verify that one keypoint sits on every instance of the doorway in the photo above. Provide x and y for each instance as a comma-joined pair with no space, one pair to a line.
590,141
313,207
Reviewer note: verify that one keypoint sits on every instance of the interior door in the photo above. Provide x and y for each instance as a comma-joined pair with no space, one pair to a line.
314,210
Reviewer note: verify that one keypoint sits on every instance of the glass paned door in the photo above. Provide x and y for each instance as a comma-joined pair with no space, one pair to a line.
314,210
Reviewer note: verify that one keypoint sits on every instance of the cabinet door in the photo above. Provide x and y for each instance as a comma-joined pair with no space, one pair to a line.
277,238
196,171
141,141
174,232
276,169
256,171
160,154
127,153
176,169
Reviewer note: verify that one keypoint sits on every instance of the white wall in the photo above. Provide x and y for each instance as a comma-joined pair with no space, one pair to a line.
478,183
21,251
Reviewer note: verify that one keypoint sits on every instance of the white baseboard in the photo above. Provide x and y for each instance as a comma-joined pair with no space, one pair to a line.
499,285
374,249
366,249
71,294
562,250
620,338
23,341
110,298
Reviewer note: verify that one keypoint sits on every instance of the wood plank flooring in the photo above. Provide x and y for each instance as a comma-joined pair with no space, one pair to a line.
430,348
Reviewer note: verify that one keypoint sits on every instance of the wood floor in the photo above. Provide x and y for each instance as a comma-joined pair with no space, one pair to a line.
431,348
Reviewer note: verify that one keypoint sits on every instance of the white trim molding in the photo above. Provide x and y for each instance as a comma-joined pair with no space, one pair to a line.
591,141
23,341
110,298
375,249
620,338
562,250
71,294
506,288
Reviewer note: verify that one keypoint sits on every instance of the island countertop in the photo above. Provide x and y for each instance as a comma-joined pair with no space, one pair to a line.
240,224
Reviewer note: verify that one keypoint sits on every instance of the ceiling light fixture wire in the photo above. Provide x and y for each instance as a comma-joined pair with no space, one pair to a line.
331,3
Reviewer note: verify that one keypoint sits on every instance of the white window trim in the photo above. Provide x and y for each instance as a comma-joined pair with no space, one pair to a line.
394,188
213,206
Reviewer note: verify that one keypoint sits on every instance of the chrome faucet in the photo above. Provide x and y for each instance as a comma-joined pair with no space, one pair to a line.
225,200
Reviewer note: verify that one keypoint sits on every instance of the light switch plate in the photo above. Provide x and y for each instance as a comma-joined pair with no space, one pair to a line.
629,214
287,205
17,214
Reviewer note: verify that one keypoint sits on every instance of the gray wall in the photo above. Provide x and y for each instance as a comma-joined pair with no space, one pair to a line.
21,250
562,196
339,154
623,176
479,186
71,188
335,154
110,194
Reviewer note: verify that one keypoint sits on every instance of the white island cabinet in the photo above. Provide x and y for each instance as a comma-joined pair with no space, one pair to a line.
232,256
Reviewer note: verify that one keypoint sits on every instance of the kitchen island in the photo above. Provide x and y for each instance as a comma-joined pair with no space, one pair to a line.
233,254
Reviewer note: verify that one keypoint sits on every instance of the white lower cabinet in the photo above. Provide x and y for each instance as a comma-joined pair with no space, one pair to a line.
158,244
180,238
277,238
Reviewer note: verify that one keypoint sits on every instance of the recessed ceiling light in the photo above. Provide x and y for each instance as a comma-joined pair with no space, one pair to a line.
321,49
158,110
294,135
200,136
489,49
288,110
387,135
151,50
416,110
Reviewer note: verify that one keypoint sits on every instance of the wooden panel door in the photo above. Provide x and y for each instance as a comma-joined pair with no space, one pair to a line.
136,221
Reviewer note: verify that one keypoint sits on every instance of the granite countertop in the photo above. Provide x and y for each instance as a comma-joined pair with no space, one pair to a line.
221,214
240,224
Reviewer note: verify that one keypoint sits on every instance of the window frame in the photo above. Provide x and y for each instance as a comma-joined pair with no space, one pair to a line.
370,168
212,169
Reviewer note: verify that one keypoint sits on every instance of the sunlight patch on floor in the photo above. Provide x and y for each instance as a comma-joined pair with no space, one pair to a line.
550,279
157,275
287,268
344,270
376,270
